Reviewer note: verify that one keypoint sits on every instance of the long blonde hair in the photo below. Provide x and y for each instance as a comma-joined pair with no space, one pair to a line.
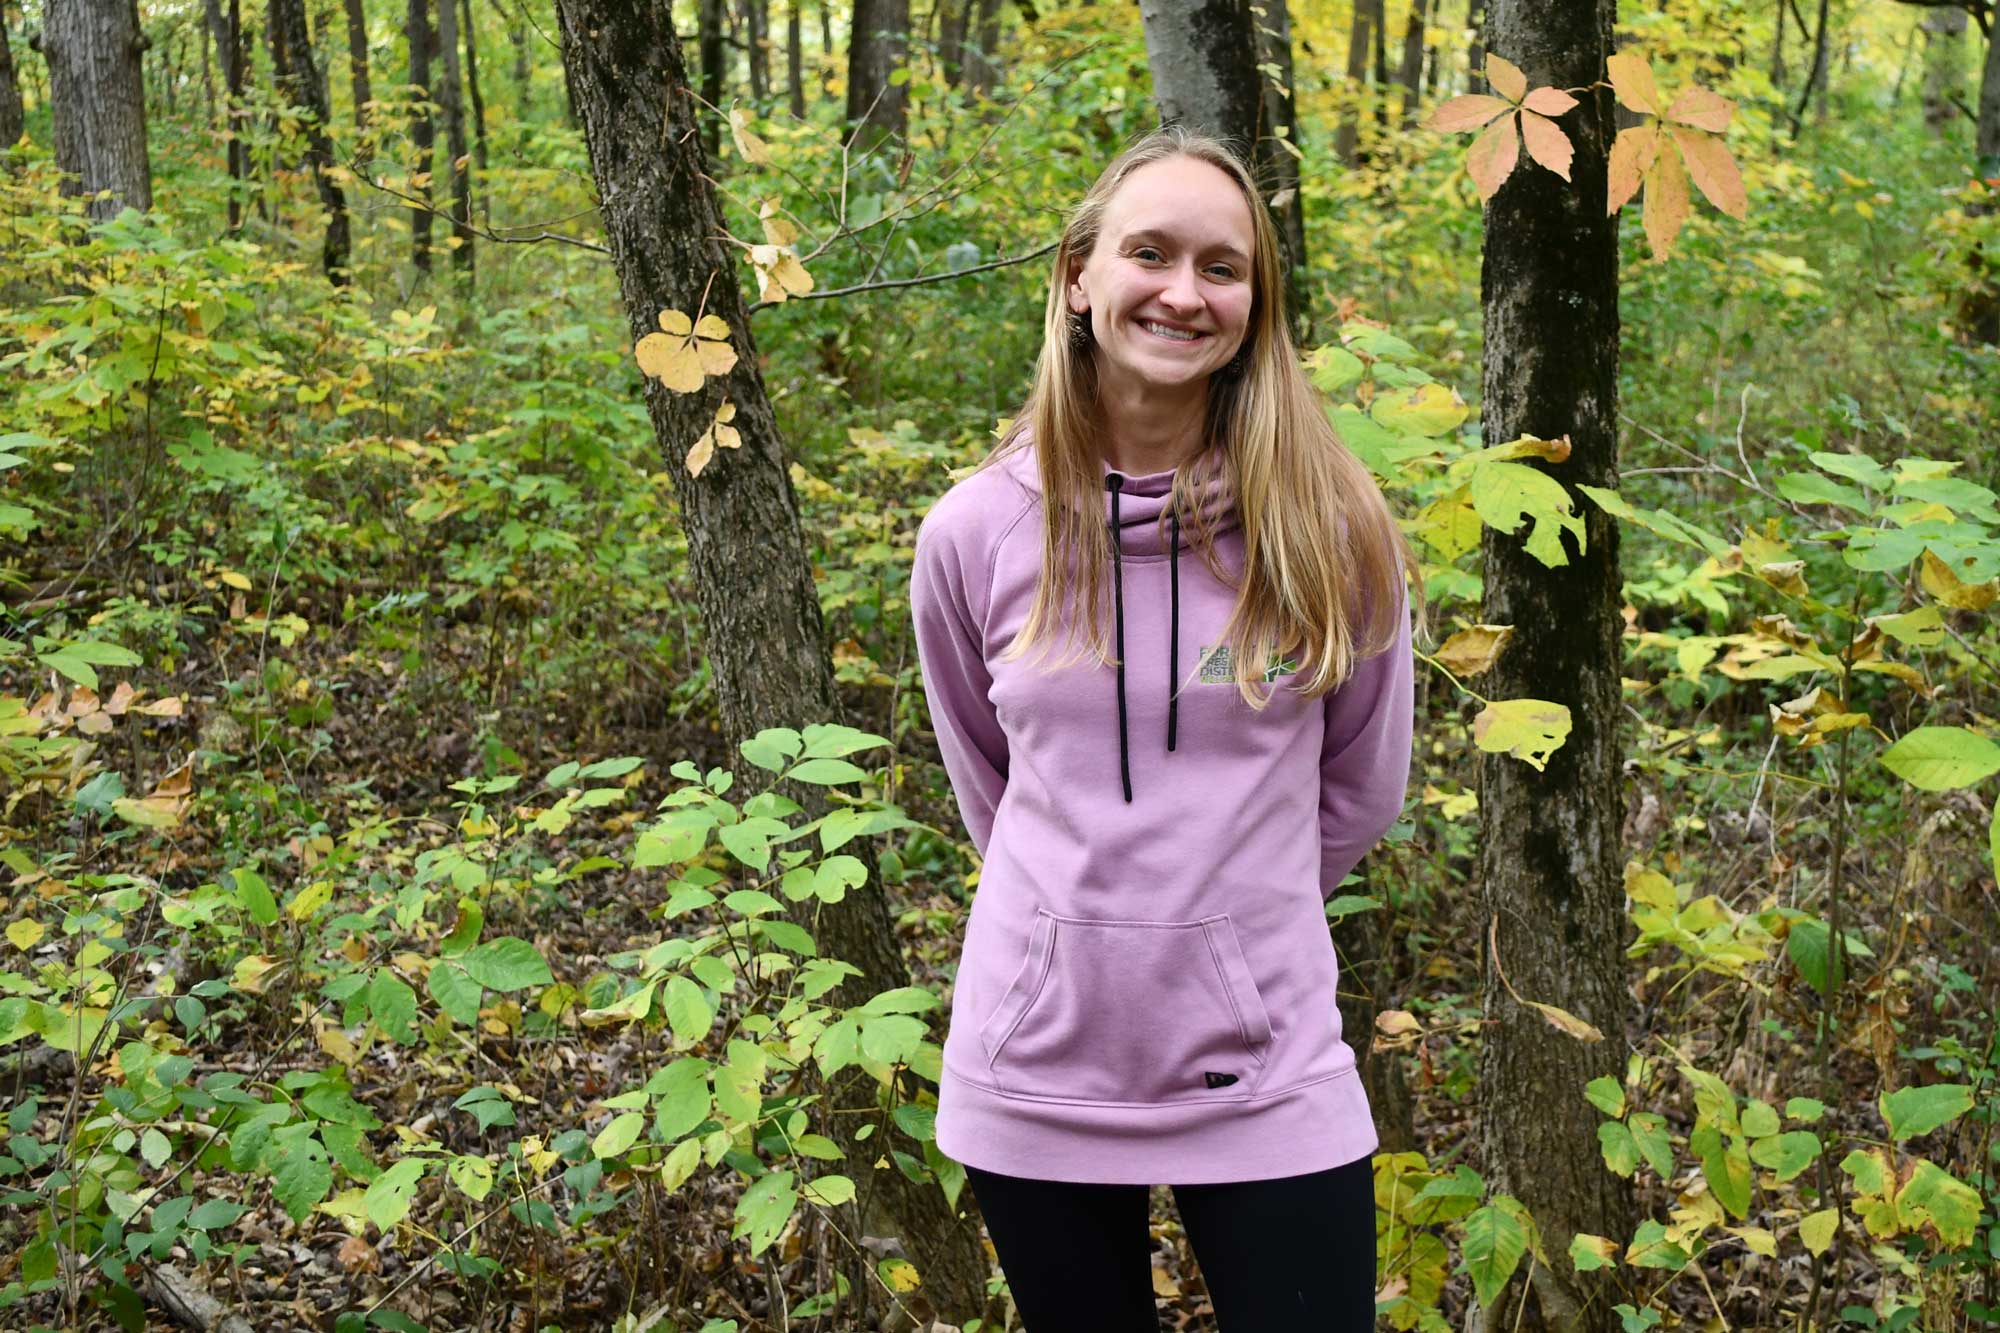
1324,561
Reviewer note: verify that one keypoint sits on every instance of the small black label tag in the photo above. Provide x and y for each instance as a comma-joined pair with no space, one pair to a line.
1215,1080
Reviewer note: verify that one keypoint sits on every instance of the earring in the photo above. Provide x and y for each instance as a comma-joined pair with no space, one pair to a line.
1079,329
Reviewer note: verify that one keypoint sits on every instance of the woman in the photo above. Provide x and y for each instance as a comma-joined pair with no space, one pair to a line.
1146,994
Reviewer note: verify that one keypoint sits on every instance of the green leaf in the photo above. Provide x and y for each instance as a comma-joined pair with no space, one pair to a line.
506,964
1854,467
826,772
1816,1229
1505,493
255,895
1921,628
1589,1253
1941,758
752,902
387,1200
1809,944
828,1190
772,747
738,1092
610,768
687,1009
487,1105
1621,1154
392,1004
455,991
1760,1120
1607,1094
1913,1111
473,1176
681,1097
902,1000
1807,1109
1951,1205
764,1209
620,1134
1650,1248
834,876
1813,488
1786,1154
216,1214
154,1148
1650,1136
302,1173
831,742
1725,1164
1495,1240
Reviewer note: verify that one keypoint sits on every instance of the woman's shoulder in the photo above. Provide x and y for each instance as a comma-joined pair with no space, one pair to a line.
982,505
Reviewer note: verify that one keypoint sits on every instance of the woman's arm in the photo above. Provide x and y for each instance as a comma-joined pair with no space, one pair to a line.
951,655
1365,758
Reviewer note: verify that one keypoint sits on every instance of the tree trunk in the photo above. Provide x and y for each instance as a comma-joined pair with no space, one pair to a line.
472,87
1983,292
757,40
713,56
982,54
1475,46
1412,74
1278,164
951,38
229,41
12,118
1360,37
357,61
760,612
795,58
451,105
1944,67
423,132
297,80
1778,48
97,94
1815,76
1203,56
517,37
878,46
1551,860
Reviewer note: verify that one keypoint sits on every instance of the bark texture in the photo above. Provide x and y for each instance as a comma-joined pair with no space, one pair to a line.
470,31
423,131
981,54
97,95
12,117
714,69
1360,42
1411,75
795,86
877,108
357,61
299,84
451,105
1277,165
1983,292
1551,860
760,612
756,16
1203,54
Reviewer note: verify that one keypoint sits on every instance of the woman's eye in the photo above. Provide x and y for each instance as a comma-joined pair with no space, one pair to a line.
1222,270
1146,252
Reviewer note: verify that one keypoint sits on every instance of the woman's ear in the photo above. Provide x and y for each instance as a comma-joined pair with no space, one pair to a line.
1073,290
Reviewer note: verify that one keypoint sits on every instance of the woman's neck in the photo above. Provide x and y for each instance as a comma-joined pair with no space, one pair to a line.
1146,431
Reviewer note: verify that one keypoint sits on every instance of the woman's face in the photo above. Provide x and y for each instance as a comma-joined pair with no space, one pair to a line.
1168,288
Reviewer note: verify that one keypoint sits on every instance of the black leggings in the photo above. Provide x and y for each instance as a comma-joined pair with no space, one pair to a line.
1279,1256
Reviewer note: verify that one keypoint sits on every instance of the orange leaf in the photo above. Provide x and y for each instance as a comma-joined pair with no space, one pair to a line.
1549,101
1467,112
1631,158
1506,78
1702,109
1492,156
178,783
1713,170
1666,201
1547,144
1632,80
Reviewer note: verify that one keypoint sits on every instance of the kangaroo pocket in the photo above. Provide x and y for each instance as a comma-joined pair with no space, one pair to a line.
1129,1011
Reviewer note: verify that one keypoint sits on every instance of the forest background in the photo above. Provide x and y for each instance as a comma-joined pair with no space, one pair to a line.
475,855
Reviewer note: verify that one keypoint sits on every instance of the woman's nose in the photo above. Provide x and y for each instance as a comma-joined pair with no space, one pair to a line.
1182,290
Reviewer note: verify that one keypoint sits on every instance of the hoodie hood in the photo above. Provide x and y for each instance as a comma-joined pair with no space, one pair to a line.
1133,508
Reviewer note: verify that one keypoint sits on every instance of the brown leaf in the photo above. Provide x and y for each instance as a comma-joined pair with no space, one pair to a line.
1713,170
1492,156
82,702
1549,101
178,783
358,1256
1466,112
121,698
1632,155
1702,109
168,707
1471,651
1547,144
1632,80
1506,77
1666,201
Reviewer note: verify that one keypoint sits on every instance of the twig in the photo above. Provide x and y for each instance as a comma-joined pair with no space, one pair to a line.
888,283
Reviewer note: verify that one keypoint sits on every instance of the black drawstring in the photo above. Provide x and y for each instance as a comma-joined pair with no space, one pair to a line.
1174,633
1114,483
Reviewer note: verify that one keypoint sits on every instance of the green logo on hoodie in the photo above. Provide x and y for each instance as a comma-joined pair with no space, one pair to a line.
1218,666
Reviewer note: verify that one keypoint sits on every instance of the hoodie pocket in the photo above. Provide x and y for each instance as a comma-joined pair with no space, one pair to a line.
1129,1011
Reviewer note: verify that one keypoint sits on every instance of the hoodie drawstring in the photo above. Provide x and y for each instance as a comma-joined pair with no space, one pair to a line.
1115,483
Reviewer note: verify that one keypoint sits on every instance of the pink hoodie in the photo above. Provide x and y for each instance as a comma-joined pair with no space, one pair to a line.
1146,992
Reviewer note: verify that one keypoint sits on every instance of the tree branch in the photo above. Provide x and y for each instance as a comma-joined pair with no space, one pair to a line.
888,283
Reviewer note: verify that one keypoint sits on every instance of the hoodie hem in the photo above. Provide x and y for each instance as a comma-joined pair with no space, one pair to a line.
1307,1127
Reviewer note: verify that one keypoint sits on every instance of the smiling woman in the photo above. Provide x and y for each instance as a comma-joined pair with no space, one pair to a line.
1146,993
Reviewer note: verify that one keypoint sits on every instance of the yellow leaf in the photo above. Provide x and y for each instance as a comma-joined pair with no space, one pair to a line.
234,580
252,972
703,450
777,230
1944,585
1529,729
25,934
1506,78
1666,201
712,326
670,359
900,1275
1547,144
1492,156
1632,80
1816,1229
1713,169
676,322
1471,651
748,145
717,358
1632,155
780,272
309,899
1566,1022
335,1043
1757,1240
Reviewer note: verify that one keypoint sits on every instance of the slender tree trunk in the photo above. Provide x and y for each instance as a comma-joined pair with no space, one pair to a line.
1203,55
1475,46
517,37
878,46
97,94
1551,860
951,37
795,58
451,105
757,41
209,19
357,61
1778,47
423,131
1278,158
1382,68
1412,74
298,82
1815,75
713,56
1944,67
982,56
233,111
760,612
472,87
1360,38
13,120
1983,291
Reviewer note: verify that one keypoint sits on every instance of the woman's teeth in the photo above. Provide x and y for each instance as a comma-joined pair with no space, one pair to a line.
1161,330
